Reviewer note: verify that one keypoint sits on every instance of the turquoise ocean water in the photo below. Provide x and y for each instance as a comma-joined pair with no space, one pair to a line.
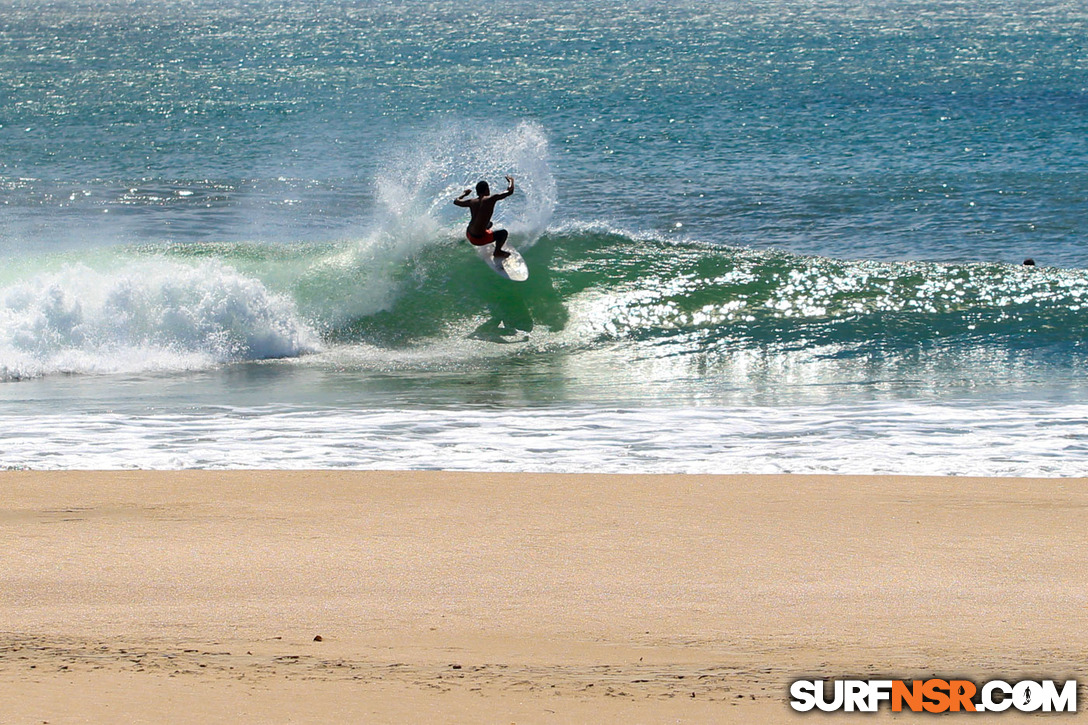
775,236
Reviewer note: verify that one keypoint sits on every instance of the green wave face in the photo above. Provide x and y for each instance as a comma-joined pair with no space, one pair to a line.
592,286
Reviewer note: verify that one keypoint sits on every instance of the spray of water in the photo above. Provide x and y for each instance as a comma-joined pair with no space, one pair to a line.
417,184
414,190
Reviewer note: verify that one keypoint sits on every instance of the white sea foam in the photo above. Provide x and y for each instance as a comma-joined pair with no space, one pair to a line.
877,438
144,316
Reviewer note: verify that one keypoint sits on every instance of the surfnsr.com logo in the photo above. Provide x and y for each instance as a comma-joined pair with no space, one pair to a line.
933,695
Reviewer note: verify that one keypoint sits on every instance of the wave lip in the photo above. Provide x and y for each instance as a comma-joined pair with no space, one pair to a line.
146,316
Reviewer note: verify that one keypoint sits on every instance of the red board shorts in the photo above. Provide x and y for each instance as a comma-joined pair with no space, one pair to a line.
486,238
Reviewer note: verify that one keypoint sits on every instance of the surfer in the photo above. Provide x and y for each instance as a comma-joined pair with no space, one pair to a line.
481,208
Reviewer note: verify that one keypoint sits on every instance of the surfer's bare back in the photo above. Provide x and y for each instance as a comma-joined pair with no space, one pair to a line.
481,208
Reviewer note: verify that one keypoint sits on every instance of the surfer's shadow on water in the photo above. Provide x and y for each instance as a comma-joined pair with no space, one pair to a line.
515,308
497,330
510,319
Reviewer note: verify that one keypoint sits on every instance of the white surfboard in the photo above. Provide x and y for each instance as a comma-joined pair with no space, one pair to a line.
512,267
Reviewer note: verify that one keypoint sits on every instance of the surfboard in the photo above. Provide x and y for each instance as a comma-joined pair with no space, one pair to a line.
512,267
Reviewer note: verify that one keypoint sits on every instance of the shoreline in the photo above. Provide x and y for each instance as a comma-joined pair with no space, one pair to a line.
197,595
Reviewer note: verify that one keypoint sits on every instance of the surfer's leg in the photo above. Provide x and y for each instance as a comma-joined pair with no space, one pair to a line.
500,239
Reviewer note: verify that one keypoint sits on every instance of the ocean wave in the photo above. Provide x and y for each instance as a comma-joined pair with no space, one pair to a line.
590,286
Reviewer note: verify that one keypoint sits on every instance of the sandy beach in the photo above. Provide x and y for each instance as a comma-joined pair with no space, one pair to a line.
207,596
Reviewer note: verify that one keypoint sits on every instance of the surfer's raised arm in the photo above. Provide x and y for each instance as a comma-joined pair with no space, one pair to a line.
509,189
460,201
